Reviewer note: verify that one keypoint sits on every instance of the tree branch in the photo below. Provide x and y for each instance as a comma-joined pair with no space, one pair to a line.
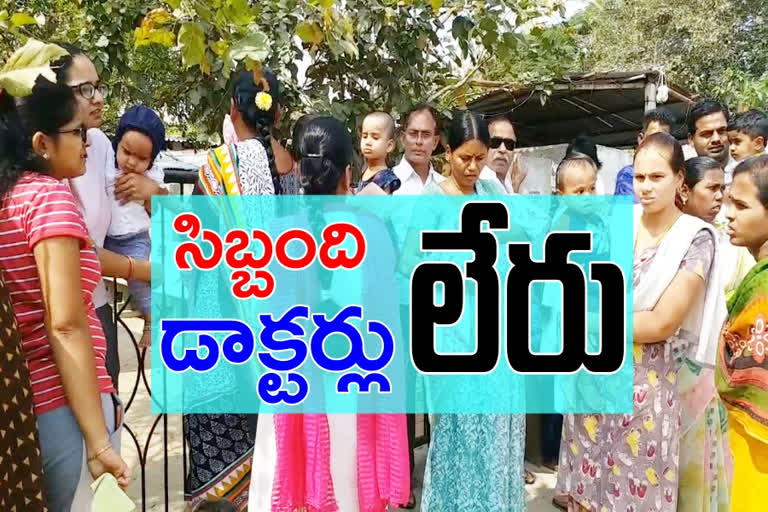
461,83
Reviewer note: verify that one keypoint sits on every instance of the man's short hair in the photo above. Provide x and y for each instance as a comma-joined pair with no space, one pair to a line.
498,118
752,122
660,116
424,107
705,108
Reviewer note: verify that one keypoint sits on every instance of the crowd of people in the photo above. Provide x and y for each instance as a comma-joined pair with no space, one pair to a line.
697,439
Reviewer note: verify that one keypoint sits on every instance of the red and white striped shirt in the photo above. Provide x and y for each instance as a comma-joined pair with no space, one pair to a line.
40,207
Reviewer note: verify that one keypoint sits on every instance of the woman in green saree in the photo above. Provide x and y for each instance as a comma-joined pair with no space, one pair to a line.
742,368
475,461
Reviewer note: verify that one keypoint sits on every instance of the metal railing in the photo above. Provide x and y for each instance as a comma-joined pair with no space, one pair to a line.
181,178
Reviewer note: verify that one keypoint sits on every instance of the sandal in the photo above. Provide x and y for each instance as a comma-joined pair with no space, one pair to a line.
411,503
552,466
530,478
561,502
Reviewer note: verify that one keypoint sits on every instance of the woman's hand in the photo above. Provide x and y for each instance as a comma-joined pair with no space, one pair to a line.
659,324
135,187
142,270
117,265
110,462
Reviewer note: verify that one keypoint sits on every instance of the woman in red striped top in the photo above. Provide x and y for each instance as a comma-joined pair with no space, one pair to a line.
51,270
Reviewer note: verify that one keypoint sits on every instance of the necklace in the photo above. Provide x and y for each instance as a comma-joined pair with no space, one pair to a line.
658,238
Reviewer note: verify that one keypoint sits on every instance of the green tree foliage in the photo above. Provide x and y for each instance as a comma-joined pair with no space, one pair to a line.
546,54
343,57
20,72
714,47
105,32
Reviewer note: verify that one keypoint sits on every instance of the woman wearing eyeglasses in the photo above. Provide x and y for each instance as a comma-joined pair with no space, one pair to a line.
78,72
51,270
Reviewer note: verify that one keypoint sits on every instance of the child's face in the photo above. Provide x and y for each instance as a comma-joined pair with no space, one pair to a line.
743,146
134,152
578,179
376,140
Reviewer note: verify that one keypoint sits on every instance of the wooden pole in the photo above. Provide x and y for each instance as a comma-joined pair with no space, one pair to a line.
650,96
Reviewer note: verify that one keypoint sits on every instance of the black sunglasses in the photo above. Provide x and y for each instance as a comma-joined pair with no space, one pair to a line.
510,144
81,131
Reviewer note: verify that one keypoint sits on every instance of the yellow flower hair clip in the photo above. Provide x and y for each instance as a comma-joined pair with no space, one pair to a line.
264,101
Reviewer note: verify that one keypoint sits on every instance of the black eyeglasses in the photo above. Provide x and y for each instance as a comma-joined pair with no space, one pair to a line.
496,142
81,131
88,90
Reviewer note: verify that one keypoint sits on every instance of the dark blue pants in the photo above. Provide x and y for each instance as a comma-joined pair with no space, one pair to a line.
551,431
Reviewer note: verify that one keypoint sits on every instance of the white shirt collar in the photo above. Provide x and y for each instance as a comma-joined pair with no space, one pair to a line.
489,174
411,181
405,170
729,168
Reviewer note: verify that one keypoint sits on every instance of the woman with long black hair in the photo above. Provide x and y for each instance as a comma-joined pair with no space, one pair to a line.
221,445
349,462
51,269
77,72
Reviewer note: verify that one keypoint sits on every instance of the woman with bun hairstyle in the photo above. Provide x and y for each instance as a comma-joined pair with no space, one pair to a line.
475,461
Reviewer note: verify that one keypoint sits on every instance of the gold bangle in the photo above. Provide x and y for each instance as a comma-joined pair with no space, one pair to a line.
98,453
130,267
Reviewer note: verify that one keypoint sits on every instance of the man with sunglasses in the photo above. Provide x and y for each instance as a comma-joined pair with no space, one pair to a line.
502,161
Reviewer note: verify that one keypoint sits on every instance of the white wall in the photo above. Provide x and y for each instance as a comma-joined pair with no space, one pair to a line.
542,161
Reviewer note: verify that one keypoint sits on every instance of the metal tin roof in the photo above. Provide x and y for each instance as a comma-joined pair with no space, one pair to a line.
609,107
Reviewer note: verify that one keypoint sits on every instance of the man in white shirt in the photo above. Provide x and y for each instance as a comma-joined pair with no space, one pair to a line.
421,135
503,164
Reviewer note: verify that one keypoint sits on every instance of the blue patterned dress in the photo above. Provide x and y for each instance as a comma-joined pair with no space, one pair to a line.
475,461
386,179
